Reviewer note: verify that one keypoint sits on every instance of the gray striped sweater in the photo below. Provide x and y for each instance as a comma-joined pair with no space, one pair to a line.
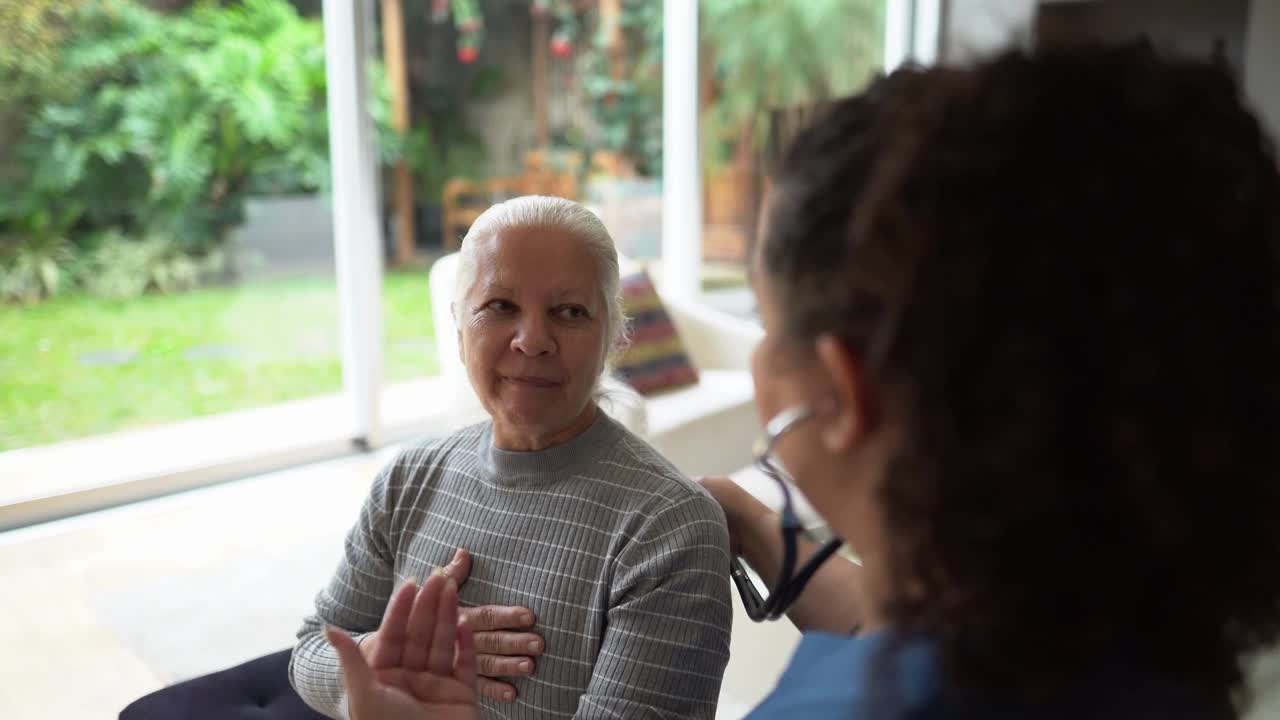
623,560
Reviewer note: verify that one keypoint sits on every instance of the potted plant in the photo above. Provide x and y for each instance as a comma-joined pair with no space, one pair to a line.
766,62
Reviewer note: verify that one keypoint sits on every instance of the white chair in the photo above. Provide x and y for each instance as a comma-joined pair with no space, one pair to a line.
704,429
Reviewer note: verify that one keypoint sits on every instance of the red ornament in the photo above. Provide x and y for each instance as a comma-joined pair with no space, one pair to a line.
439,10
561,47
467,54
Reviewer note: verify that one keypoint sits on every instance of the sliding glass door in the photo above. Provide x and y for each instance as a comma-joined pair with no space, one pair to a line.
218,219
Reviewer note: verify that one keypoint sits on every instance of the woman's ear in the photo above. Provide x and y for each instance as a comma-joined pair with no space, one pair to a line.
847,423
462,350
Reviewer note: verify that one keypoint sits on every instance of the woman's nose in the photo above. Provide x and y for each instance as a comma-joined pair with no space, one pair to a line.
533,337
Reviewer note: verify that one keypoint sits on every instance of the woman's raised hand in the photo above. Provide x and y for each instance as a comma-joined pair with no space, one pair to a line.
424,667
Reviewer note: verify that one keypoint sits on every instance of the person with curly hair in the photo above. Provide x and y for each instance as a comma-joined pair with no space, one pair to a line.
1022,352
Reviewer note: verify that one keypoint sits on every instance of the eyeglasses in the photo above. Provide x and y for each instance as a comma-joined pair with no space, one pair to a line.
787,588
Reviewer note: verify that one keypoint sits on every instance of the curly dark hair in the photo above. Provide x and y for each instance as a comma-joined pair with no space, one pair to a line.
1062,268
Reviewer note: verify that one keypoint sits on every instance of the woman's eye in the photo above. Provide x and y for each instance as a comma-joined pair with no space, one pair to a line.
500,306
573,312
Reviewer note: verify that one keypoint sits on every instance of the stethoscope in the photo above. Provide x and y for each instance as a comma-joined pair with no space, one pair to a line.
790,582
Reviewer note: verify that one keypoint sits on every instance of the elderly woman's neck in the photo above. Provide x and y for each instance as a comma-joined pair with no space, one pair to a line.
524,439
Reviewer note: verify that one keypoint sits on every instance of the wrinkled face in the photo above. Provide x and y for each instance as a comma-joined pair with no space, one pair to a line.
532,334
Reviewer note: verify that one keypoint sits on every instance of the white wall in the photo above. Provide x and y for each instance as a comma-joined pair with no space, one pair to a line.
1262,61
972,28
1189,28
976,28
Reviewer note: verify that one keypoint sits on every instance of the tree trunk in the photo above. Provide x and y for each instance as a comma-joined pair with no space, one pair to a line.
397,77
746,168
541,129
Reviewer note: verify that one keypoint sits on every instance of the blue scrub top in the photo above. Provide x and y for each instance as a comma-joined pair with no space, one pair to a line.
883,675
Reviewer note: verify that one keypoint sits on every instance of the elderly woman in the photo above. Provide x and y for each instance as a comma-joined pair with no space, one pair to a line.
562,510
1022,351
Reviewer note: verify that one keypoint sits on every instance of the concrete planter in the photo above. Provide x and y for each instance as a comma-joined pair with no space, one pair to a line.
287,235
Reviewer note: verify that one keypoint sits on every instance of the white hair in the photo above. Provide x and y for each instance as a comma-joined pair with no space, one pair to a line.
542,211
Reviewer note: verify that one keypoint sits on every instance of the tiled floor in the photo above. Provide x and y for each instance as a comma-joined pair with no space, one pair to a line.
102,609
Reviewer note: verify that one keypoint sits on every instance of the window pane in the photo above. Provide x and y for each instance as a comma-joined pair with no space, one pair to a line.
766,65
166,242
484,100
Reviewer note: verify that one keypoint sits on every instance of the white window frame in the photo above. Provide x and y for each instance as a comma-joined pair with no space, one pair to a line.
357,231
681,156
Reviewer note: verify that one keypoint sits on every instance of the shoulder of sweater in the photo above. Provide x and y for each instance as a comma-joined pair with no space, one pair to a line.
646,468
425,453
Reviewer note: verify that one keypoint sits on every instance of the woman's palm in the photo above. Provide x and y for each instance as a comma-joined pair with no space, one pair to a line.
441,696
424,666
405,695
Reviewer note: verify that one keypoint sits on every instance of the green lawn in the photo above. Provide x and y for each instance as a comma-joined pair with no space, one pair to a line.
78,366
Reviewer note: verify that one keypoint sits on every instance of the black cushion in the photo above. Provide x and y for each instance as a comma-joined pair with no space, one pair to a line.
256,690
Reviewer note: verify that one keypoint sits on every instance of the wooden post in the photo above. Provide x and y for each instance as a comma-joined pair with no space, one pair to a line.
541,128
744,172
398,79
611,19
